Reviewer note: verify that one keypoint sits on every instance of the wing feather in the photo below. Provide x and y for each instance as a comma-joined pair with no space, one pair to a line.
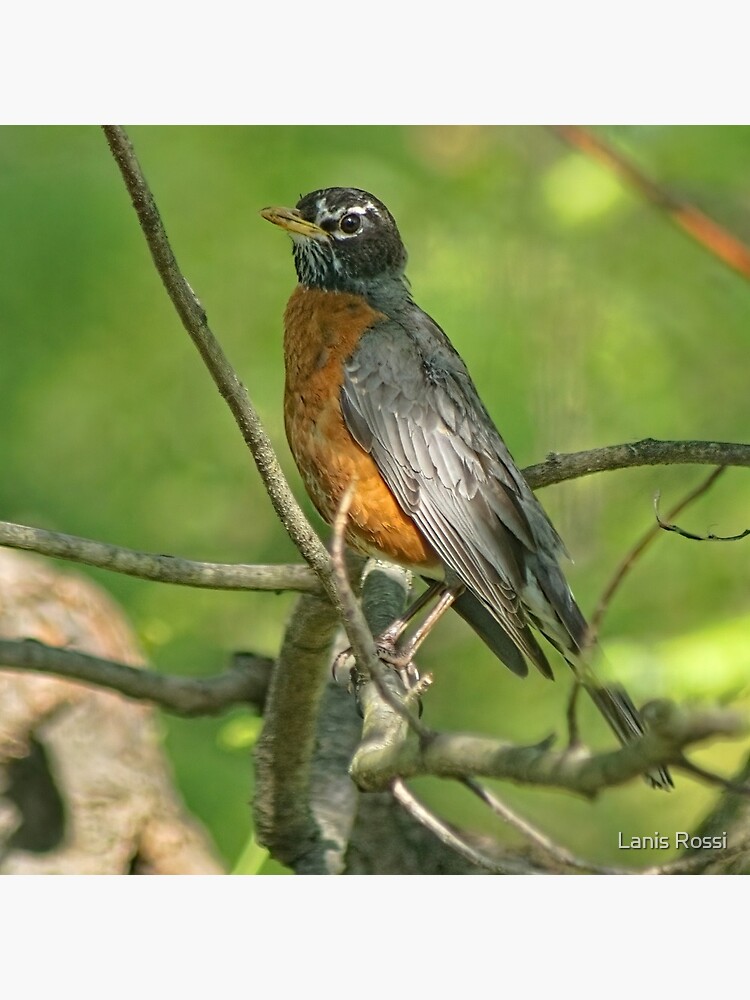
409,402
429,439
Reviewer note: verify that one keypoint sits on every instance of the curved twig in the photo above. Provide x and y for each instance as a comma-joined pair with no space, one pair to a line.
710,537
640,547
548,848
418,811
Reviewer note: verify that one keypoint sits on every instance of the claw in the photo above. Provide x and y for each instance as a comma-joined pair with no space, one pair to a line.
402,664
342,671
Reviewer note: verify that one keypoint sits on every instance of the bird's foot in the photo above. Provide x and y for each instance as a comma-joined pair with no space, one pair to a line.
399,659
344,668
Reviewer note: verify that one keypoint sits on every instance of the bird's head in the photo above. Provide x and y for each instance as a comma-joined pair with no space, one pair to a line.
345,239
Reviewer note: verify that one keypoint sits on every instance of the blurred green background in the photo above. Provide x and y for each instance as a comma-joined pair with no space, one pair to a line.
584,316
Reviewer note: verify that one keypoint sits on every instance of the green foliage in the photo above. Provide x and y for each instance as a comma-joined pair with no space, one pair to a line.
585,317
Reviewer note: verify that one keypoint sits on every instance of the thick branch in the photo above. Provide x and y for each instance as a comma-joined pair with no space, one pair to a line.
398,754
345,818
161,568
304,804
244,683
284,819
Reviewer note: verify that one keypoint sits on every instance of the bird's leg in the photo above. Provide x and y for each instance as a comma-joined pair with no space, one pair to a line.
397,628
402,658
386,641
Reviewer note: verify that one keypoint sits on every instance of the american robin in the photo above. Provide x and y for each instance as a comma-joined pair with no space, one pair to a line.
377,396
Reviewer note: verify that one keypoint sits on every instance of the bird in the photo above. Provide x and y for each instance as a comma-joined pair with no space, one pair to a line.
377,399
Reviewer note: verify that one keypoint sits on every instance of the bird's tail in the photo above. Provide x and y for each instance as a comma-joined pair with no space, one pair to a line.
514,653
625,721
566,629
613,701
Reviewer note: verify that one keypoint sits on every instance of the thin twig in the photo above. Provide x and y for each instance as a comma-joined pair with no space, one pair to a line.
711,778
693,864
359,635
666,526
193,318
535,836
418,811
639,548
244,683
562,856
717,240
161,568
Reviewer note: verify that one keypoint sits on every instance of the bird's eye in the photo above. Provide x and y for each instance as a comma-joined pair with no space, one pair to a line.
351,223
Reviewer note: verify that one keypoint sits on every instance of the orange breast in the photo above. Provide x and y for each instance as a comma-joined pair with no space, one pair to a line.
321,330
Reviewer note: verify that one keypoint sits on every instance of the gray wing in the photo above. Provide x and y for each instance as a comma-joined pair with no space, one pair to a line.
409,401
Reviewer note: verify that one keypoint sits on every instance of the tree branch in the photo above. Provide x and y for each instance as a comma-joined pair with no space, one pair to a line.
719,242
730,817
285,822
228,576
448,836
159,568
627,563
554,854
245,681
395,754
194,320
344,817
560,468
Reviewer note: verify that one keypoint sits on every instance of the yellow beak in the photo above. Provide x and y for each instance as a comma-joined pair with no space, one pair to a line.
292,221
